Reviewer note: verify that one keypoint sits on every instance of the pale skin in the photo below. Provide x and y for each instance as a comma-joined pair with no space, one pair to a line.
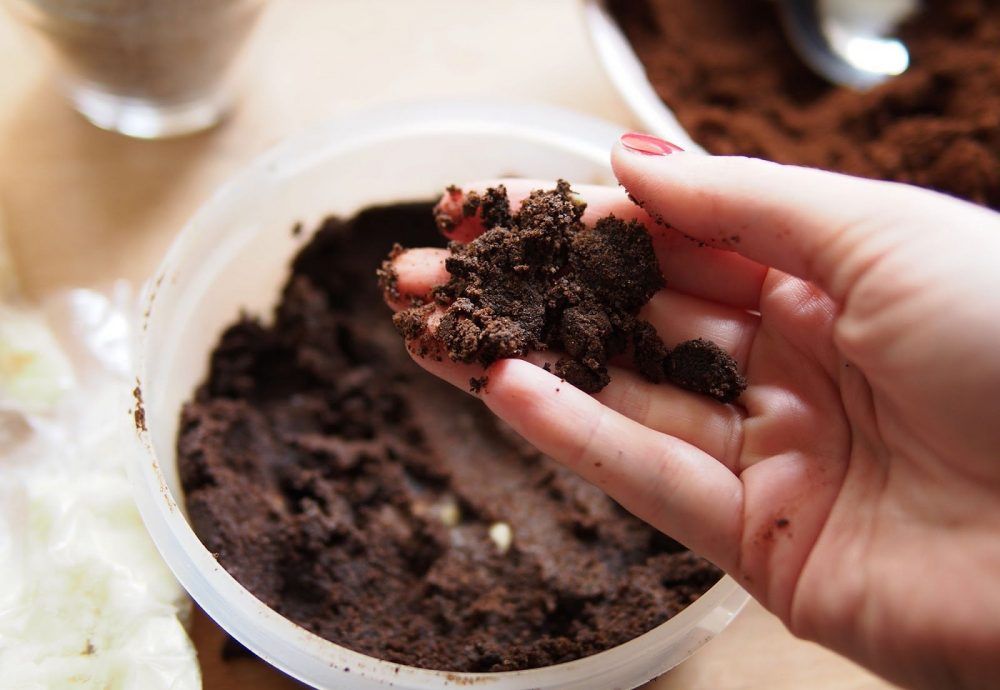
854,490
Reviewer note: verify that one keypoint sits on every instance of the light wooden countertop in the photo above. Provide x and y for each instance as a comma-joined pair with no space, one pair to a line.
84,207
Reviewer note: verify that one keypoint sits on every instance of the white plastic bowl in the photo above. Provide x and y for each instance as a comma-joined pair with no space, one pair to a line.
628,76
234,254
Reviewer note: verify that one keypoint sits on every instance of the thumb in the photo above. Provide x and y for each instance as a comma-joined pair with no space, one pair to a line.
820,226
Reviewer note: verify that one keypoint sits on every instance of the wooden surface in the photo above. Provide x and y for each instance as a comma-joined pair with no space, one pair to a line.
85,207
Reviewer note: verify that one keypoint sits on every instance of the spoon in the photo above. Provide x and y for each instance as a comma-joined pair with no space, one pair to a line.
848,41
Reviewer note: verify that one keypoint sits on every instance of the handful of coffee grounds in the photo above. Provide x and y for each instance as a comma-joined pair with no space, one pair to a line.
539,279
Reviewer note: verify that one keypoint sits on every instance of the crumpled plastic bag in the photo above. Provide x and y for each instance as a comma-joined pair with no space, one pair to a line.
85,599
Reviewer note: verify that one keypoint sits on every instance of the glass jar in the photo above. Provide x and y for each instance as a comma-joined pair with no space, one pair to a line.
145,68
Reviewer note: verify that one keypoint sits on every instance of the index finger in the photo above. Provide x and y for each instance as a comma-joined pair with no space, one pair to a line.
819,226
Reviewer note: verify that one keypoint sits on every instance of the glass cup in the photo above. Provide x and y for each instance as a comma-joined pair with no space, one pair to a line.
145,68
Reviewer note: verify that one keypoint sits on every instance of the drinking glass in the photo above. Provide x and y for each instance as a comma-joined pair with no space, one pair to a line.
145,68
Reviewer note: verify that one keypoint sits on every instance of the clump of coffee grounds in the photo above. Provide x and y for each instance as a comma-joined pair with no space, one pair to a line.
539,280
355,495
728,72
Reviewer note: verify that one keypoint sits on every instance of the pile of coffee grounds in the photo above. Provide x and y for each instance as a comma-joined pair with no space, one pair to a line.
539,280
371,504
728,72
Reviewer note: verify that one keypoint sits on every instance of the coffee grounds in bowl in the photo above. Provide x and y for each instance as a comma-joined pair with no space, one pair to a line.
538,280
376,507
728,72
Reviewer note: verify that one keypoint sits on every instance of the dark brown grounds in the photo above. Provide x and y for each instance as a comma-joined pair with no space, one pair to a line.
539,280
353,493
728,72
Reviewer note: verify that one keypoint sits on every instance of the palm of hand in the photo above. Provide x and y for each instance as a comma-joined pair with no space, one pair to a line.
868,481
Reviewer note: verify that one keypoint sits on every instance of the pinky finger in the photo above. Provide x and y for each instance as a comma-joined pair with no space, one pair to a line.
674,486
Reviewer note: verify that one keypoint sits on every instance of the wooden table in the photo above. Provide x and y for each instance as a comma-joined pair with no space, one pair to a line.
85,207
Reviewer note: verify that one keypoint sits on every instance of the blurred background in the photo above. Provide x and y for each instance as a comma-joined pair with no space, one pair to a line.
85,205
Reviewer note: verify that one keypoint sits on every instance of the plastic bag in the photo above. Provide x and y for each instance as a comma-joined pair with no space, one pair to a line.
85,599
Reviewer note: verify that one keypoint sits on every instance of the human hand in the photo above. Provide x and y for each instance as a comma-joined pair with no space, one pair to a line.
855,489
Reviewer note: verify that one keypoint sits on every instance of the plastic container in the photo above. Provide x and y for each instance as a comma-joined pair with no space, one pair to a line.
234,255
626,72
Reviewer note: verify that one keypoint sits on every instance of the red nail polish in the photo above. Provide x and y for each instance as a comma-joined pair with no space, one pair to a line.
648,145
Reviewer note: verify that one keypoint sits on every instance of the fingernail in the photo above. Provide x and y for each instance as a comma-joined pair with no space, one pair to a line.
648,145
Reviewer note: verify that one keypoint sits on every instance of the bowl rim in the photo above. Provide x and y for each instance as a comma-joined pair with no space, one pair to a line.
278,640
628,75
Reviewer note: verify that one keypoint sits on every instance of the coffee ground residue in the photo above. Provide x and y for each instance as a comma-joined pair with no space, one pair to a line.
538,279
139,412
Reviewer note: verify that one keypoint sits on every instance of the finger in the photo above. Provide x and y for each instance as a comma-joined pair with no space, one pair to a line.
413,272
676,487
819,226
426,349
712,274
460,221
704,423
688,266
678,317
456,219
660,478
694,418
430,353
418,270
675,316
458,374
